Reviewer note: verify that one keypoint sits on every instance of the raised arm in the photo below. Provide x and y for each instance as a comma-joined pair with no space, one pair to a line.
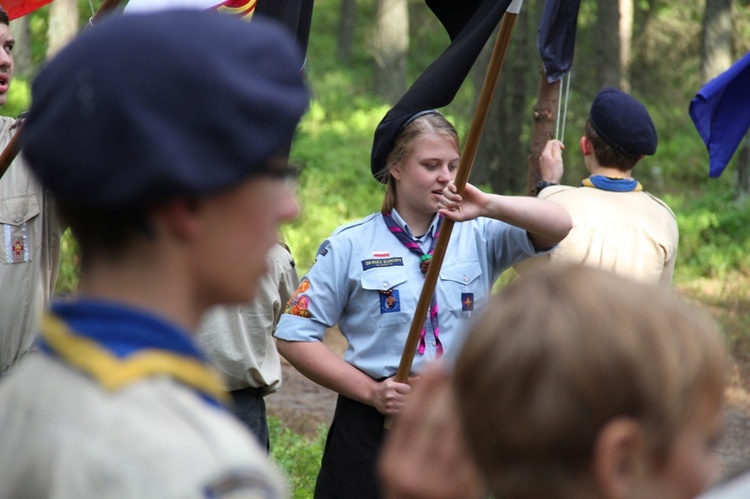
546,223
551,165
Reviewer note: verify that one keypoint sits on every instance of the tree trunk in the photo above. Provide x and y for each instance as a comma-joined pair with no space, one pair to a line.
716,39
63,25
543,130
22,62
501,157
346,29
391,46
642,55
606,44
626,42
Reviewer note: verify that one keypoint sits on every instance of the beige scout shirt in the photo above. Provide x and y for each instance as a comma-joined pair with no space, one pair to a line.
64,436
239,339
29,255
631,233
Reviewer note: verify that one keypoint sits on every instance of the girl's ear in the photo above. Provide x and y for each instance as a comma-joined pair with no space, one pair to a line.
620,459
395,172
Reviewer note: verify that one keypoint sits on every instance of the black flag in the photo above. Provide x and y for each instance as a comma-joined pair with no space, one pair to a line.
294,14
469,24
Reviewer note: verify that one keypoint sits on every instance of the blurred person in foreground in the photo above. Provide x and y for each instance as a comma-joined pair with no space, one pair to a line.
159,136
575,383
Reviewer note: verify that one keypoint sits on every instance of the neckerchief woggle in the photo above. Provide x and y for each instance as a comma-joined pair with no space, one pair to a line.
424,259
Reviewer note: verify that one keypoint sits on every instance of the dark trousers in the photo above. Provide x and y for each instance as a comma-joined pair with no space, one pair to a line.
250,408
352,447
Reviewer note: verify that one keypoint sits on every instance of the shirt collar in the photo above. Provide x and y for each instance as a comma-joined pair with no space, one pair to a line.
401,223
118,346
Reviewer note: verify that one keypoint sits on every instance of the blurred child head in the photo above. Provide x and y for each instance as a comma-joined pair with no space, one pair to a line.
579,383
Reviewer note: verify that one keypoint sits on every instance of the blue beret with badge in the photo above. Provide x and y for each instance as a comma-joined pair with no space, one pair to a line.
623,123
147,107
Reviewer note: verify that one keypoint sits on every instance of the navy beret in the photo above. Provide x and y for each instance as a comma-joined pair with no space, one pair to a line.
147,107
623,123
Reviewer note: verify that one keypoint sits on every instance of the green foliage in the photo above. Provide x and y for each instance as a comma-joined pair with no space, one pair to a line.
19,98
67,277
714,235
38,29
335,185
297,456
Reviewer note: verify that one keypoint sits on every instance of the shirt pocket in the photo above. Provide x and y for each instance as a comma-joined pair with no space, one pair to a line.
462,288
19,228
386,295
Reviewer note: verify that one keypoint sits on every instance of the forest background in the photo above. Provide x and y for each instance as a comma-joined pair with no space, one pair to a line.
363,55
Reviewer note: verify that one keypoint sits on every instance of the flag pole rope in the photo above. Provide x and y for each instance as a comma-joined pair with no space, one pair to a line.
559,108
565,109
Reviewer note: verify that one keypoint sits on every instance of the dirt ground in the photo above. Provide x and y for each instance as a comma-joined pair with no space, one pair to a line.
303,406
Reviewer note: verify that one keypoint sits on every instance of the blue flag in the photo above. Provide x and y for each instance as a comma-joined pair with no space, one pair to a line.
721,113
557,37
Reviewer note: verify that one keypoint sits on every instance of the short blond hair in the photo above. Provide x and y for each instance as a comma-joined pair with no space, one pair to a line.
558,354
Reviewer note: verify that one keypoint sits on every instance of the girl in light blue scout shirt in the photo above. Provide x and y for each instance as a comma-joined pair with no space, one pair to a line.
368,277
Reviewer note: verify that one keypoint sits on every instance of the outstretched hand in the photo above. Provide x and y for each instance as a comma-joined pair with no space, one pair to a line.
461,208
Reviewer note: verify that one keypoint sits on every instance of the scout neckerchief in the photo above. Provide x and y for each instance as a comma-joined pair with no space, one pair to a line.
117,346
424,262
612,184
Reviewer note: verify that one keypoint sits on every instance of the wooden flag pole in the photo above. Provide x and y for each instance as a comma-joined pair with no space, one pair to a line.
11,149
105,7
462,176
14,146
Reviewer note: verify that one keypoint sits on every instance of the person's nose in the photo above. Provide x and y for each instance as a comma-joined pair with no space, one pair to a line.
288,205
6,60
445,175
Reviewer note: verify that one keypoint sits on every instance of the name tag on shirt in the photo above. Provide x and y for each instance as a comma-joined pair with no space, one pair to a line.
375,263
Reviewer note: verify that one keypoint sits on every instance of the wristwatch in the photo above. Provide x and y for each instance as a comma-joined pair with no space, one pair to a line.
542,184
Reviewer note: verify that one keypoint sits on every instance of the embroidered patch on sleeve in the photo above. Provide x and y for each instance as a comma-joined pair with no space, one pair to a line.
299,303
467,302
389,301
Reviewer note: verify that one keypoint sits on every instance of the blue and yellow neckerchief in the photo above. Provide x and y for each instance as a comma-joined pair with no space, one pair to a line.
612,184
117,346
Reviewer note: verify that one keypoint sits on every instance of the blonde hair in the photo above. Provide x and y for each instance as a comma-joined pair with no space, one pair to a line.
426,124
558,354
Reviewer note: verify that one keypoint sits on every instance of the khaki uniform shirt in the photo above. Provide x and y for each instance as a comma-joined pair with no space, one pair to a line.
631,233
29,255
239,339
